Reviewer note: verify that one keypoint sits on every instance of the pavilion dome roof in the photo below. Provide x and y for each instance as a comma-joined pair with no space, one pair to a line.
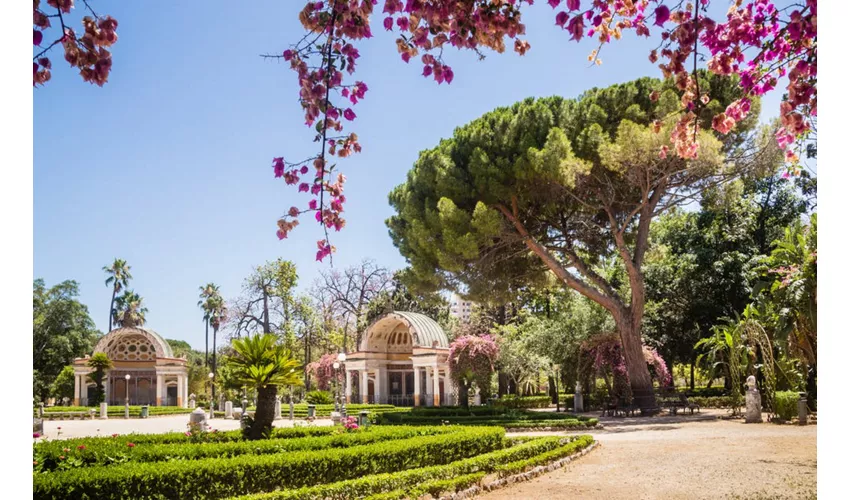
161,347
424,331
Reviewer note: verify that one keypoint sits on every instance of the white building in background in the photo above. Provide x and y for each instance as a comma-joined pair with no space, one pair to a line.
459,308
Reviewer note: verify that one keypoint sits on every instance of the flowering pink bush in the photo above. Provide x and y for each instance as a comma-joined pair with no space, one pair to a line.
323,371
605,353
472,359
350,424
757,42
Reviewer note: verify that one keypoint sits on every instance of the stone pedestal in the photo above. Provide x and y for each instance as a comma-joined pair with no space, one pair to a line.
477,399
198,419
802,410
578,400
237,413
192,403
753,414
103,414
277,407
228,409
335,417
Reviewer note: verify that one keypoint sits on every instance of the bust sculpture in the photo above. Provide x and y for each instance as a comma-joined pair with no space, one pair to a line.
751,383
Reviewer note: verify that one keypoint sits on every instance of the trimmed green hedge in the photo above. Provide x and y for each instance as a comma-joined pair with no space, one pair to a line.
544,458
400,484
96,452
785,403
511,401
113,411
507,419
224,477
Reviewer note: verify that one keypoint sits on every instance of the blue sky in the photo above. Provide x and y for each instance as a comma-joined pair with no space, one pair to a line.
169,165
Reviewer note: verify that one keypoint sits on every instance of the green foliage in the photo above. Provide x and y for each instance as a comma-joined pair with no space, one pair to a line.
129,309
578,443
61,331
785,404
100,364
99,451
486,416
63,385
511,401
409,479
319,397
225,477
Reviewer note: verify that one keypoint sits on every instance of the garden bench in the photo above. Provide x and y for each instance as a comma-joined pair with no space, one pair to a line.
687,405
615,406
610,407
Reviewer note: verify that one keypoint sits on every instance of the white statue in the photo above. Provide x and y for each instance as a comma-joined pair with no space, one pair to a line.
751,383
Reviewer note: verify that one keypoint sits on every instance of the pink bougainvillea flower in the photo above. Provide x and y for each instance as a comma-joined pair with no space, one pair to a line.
313,204
115,435
554,3
662,14
278,166
36,435
349,114
287,55
131,445
448,74
574,4
37,36
576,28
303,187
388,23
304,169
562,18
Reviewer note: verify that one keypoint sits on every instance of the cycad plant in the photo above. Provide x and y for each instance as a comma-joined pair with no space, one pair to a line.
101,364
262,363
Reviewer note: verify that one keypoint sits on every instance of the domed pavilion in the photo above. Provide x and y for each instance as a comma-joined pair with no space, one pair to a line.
402,360
157,377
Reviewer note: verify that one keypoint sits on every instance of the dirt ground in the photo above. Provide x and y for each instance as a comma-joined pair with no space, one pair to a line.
684,457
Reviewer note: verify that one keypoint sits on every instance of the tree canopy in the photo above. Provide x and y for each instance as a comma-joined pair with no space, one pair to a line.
566,186
61,331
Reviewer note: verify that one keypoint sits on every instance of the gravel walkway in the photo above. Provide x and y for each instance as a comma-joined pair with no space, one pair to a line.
682,457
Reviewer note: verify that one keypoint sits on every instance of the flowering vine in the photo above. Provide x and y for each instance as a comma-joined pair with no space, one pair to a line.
324,371
757,41
89,52
604,353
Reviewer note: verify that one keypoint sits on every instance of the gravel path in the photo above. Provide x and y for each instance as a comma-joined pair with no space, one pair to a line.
680,457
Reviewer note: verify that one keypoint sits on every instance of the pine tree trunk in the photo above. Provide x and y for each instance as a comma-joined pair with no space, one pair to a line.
503,384
264,416
639,377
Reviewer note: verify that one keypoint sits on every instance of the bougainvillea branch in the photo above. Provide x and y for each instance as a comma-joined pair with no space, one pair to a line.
757,42
88,52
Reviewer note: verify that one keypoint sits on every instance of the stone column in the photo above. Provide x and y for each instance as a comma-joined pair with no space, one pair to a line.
364,386
180,396
379,384
77,389
276,408
416,386
107,391
159,384
164,393
347,386
185,390
428,387
228,409
448,389
436,386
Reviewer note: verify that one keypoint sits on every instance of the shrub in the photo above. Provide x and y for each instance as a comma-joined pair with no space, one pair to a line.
319,398
224,477
110,451
785,403
397,484
511,401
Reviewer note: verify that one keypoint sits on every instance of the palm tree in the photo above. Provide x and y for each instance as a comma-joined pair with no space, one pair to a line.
101,363
260,362
129,310
207,292
119,277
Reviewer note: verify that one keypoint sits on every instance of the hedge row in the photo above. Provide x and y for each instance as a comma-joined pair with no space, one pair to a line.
510,401
113,411
399,483
544,458
51,455
224,477
434,487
